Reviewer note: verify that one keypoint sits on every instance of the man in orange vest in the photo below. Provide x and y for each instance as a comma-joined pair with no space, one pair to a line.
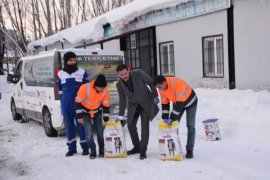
93,101
183,97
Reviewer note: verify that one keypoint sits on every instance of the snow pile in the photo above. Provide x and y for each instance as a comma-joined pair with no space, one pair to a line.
4,86
242,153
93,29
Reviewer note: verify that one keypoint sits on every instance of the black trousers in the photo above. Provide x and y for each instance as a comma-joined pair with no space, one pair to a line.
132,127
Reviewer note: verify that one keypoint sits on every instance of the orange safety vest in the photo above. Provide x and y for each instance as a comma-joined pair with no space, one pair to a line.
178,90
91,99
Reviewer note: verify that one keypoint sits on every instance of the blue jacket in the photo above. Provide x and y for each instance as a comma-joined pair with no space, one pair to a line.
68,86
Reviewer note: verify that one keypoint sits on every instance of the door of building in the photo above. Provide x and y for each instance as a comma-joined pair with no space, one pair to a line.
140,50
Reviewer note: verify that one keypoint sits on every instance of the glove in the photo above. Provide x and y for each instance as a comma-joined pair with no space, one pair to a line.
156,100
119,118
167,121
105,119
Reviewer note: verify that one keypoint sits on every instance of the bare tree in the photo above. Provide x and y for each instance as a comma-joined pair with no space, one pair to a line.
47,16
99,7
40,18
34,18
17,13
2,41
55,17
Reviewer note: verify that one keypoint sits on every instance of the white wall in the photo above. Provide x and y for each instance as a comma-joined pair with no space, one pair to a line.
252,44
187,37
95,46
113,44
58,45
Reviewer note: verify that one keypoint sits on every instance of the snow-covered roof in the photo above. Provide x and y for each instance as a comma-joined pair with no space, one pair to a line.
92,30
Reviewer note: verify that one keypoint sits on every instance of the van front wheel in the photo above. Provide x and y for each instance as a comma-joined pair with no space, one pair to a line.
13,109
47,124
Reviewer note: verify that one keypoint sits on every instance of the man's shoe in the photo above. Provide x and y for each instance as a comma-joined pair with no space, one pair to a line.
70,153
143,156
123,122
133,151
85,152
101,154
189,154
93,155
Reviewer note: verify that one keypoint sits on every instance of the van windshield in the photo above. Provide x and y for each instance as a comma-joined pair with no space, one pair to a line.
95,65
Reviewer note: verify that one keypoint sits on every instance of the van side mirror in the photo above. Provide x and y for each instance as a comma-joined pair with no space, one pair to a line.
12,78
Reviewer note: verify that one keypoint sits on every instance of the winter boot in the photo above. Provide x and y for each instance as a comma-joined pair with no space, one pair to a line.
93,155
101,154
70,153
85,152
133,151
189,154
143,155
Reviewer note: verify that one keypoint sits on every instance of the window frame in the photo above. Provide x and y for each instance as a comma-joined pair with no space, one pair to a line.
216,66
19,71
172,66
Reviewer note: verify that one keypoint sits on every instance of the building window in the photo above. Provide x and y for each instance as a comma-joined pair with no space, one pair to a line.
213,59
139,48
166,58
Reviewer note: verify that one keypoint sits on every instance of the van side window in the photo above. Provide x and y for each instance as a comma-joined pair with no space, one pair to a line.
39,73
29,74
18,71
44,72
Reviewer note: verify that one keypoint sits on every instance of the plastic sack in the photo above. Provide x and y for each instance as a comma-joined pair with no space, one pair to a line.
114,139
169,143
211,129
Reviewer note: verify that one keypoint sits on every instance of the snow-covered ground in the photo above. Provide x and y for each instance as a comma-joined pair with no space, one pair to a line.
243,153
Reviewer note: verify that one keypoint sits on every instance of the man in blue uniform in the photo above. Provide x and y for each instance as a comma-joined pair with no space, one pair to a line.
70,78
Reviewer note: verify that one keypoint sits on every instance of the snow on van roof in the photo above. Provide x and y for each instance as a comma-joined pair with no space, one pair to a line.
90,51
77,51
92,30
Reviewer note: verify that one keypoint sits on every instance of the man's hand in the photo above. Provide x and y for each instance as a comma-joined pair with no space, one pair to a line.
80,121
156,100
119,118
168,121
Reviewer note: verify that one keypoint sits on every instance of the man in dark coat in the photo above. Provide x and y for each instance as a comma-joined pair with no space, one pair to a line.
136,88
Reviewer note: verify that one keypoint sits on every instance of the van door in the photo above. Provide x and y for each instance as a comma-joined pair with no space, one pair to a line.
30,98
18,92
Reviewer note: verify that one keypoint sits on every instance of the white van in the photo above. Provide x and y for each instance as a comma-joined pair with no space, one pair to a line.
35,94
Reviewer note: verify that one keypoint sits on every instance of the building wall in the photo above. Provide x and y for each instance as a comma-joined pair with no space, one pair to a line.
187,37
113,44
95,46
252,44
57,45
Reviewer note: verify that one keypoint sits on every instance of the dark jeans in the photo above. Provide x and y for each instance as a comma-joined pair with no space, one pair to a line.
191,116
90,125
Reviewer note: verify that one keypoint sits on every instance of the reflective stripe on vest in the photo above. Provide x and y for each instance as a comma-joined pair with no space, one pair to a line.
191,101
88,93
179,94
79,99
91,112
165,111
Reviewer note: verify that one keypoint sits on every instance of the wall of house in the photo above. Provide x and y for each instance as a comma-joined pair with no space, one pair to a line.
57,45
113,44
252,44
187,37
94,46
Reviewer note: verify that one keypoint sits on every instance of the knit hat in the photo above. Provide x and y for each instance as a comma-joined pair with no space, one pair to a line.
69,55
100,81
